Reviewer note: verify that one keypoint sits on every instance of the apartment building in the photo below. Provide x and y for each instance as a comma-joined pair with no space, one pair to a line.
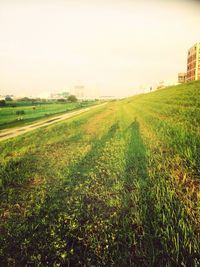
182,77
193,63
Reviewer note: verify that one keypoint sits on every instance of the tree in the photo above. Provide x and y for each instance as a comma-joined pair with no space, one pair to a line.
25,99
8,98
2,103
72,98
61,100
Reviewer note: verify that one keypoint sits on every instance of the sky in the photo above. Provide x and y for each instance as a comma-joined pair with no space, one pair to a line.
115,47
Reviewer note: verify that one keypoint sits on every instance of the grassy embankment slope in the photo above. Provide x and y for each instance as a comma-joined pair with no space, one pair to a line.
116,186
34,112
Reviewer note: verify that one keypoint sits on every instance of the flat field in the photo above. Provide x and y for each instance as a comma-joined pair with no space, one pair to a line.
116,186
35,111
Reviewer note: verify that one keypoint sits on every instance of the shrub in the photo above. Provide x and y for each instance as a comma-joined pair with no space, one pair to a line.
20,112
2,103
8,98
61,100
72,98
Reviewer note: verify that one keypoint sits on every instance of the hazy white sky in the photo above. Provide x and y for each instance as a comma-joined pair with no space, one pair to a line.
116,46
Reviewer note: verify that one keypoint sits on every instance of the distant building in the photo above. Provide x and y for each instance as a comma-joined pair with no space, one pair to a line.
182,77
161,85
79,91
62,95
193,63
166,83
107,97
55,96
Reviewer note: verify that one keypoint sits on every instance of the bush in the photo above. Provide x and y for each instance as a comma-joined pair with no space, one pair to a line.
20,112
2,103
61,100
72,98
8,98
25,99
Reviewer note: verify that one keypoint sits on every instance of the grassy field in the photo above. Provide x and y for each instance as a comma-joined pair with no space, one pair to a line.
116,186
33,112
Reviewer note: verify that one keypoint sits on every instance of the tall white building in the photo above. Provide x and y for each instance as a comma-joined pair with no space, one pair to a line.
79,91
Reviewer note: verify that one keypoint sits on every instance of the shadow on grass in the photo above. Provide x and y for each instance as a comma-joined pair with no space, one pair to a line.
136,163
50,229
143,229
130,237
80,171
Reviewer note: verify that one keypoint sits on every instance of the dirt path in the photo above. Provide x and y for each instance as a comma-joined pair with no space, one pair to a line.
9,133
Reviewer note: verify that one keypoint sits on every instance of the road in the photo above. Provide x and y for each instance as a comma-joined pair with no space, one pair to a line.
10,133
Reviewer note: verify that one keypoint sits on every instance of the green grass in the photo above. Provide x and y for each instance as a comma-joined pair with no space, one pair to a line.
9,119
116,186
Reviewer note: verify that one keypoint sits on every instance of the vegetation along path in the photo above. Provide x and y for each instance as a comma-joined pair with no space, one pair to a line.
115,186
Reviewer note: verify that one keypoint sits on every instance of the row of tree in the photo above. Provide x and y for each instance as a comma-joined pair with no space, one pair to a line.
4,103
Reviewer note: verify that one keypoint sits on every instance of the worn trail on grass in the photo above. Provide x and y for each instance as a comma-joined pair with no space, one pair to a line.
6,134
